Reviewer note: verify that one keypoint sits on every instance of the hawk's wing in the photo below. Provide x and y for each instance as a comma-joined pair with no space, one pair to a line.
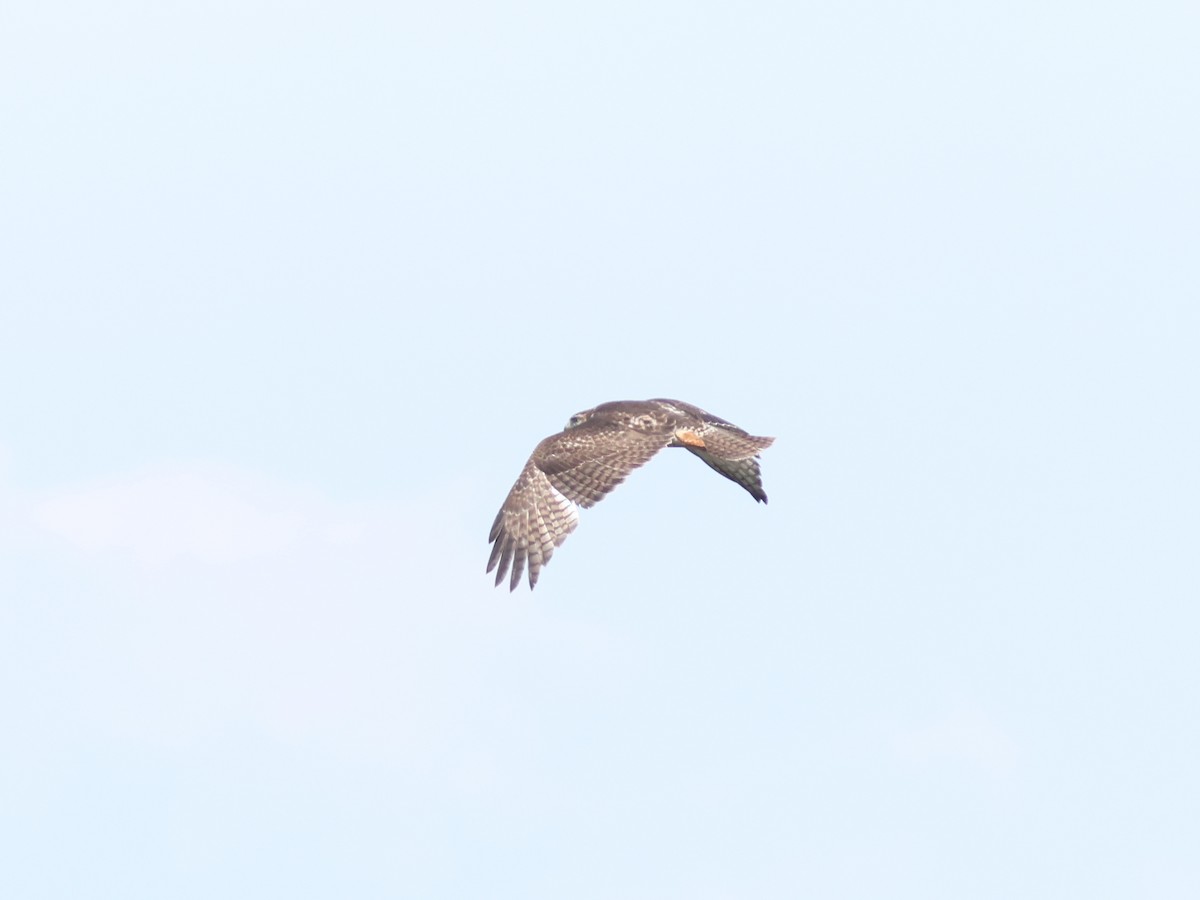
572,469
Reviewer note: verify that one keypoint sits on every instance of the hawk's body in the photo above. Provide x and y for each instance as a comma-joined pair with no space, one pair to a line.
591,456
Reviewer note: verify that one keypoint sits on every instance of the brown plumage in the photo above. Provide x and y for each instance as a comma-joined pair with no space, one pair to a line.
592,455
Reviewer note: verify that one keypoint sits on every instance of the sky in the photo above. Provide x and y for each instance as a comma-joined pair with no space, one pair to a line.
288,293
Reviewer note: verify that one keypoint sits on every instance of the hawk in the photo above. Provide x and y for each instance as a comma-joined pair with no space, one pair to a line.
591,456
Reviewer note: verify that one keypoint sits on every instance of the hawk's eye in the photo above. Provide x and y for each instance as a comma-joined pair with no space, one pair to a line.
577,419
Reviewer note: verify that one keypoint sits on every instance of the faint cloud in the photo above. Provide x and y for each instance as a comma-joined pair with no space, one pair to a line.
162,516
364,628
967,737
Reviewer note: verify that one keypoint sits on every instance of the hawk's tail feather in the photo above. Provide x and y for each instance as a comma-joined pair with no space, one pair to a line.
745,472
725,443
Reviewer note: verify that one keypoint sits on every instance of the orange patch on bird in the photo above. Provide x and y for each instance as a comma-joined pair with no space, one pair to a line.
690,438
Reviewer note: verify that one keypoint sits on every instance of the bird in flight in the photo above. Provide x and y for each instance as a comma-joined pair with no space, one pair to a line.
591,456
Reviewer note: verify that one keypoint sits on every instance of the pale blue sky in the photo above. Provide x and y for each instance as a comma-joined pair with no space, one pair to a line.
289,292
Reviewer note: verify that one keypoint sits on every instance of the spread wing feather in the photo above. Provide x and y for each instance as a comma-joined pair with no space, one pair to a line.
572,469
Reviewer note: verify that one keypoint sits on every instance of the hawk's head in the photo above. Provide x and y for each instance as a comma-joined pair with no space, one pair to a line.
579,418
634,414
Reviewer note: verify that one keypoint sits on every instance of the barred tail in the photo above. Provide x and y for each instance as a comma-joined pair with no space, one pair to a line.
744,471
